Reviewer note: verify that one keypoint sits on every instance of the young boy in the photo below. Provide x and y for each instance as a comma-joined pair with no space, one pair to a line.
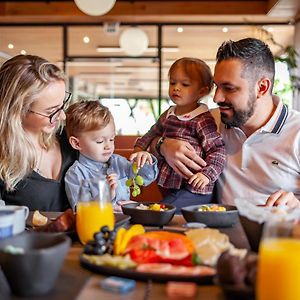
91,130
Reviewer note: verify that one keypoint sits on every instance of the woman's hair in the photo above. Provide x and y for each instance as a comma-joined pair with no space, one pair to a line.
86,116
256,56
22,78
194,68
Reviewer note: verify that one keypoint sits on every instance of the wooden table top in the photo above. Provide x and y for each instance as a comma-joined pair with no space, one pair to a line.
75,282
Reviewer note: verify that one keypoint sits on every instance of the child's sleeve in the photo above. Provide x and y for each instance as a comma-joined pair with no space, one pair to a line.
213,146
73,179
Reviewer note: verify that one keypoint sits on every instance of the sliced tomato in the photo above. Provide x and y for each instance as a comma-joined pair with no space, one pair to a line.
144,256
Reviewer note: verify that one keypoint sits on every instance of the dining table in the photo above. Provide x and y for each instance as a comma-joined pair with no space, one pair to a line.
76,282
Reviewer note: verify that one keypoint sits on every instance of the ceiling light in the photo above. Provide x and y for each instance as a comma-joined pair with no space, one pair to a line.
179,29
225,29
86,39
134,41
10,46
23,52
95,7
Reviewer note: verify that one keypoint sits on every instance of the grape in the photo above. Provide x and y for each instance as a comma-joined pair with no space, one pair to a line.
98,235
105,229
88,249
135,182
135,168
112,235
139,180
129,182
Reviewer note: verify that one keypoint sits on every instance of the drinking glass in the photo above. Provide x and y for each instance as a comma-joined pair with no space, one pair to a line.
94,208
279,261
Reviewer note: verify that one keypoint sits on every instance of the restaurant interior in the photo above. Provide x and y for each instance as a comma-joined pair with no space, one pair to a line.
119,52
134,84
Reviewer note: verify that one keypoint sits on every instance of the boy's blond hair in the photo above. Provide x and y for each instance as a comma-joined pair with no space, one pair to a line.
195,68
86,116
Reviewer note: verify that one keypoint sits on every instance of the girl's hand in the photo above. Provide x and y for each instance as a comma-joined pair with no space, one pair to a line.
141,157
198,181
112,180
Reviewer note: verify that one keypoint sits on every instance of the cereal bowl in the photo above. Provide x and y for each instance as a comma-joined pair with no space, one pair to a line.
148,217
33,272
216,219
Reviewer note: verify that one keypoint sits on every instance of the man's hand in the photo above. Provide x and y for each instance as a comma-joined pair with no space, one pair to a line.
282,197
181,156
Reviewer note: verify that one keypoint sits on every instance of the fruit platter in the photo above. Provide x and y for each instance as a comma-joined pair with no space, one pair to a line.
156,255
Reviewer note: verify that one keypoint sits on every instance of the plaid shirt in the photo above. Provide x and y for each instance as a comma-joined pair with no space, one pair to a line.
200,130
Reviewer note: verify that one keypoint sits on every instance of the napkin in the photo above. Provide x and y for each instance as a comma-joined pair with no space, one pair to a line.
261,214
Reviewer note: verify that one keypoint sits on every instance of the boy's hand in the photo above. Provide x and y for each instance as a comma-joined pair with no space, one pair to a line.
198,181
112,180
141,157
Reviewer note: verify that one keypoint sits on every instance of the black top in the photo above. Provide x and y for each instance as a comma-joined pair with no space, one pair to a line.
40,193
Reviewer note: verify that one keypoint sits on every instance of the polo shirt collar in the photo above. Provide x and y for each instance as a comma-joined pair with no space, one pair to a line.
202,108
278,119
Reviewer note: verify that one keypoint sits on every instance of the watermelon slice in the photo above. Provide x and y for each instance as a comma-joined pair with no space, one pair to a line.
161,246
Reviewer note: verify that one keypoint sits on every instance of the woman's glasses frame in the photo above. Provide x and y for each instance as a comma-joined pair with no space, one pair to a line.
56,112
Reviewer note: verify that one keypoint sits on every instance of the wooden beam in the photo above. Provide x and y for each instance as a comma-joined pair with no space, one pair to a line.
140,8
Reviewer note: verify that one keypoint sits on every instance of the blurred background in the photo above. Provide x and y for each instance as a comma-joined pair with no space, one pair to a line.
122,56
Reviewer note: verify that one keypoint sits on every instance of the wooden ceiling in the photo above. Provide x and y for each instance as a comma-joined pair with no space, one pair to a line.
202,21
154,11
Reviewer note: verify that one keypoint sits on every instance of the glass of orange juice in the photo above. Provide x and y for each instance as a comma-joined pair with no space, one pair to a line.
94,208
279,261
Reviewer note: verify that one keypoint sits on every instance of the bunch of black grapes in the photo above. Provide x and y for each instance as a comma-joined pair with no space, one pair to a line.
102,243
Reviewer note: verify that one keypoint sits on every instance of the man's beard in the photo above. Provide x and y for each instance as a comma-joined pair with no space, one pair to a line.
240,117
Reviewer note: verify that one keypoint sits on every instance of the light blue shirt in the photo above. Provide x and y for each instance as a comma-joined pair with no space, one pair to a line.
85,168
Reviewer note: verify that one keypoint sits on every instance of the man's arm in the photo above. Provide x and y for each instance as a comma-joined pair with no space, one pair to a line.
180,156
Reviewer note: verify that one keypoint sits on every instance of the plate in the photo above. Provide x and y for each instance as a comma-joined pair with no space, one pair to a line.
120,220
144,276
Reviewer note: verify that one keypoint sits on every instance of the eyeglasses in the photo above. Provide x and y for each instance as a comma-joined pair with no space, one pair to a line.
54,116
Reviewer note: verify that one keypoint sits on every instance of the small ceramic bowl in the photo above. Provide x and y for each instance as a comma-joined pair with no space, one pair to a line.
211,218
34,272
148,217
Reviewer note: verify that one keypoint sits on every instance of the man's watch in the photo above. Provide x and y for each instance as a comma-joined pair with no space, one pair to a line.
159,143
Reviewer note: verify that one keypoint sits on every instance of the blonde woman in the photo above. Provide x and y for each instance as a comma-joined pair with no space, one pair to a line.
34,156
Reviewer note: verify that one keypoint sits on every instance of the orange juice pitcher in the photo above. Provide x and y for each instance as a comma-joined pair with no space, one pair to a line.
94,208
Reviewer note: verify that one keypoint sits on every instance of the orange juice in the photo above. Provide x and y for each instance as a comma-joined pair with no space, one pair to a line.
278,269
90,217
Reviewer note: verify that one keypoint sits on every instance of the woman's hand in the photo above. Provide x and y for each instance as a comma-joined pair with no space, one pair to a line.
181,156
282,197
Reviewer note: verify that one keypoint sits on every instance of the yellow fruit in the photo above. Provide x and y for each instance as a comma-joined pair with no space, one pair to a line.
38,219
119,237
134,230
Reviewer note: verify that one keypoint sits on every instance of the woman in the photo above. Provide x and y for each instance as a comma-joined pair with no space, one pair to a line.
33,155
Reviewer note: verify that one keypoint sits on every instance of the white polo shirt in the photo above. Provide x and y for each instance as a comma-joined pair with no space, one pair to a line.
263,163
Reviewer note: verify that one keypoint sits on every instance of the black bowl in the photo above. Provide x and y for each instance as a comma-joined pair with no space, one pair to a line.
33,273
211,218
253,232
148,217
236,291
